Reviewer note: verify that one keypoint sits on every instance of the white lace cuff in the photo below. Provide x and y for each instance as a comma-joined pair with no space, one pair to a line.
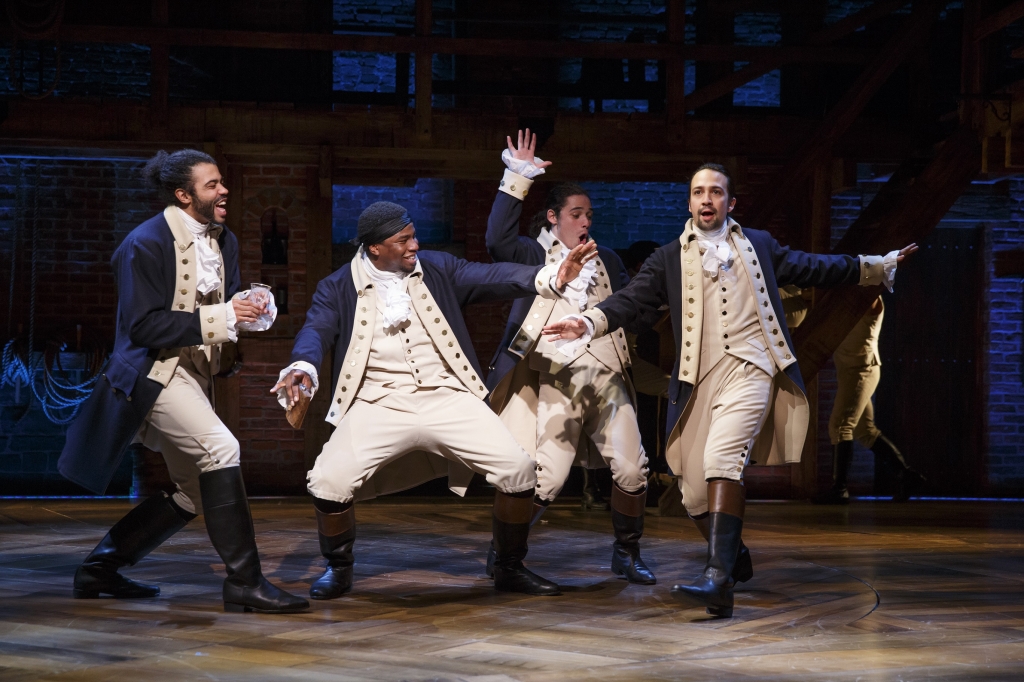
528,169
568,347
282,396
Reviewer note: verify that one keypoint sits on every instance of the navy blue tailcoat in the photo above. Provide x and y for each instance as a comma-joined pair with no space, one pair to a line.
145,269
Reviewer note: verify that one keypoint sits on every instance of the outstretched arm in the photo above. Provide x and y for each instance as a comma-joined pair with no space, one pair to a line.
634,307
486,282
825,270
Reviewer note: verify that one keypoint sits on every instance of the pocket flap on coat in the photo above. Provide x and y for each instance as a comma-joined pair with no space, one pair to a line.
756,343
120,374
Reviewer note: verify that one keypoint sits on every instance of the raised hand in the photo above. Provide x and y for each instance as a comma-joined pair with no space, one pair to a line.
570,330
526,149
574,262
292,382
906,251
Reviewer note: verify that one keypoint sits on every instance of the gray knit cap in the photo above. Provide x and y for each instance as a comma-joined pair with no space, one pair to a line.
379,221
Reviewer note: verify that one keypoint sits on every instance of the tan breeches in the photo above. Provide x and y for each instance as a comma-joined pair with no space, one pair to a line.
453,424
596,401
717,431
183,427
853,416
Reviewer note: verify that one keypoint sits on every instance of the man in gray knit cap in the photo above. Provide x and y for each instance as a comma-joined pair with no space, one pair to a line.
407,390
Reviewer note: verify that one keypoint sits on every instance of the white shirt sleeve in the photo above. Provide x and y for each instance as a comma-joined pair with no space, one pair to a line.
282,396
528,169
229,317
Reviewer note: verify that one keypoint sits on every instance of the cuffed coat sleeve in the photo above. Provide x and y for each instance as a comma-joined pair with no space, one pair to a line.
323,323
813,269
637,305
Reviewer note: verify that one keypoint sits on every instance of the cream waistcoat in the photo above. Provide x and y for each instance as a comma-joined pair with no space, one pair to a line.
404,359
694,319
529,337
731,325
367,319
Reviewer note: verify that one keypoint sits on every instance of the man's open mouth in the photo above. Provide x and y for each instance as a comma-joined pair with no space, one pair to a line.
583,238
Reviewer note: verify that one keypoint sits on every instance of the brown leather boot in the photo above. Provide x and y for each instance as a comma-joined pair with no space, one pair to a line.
714,588
539,506
512,515
336,528
628,524
744,570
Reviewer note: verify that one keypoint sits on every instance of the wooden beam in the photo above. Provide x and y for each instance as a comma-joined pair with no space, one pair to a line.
840,29
847,25
998,20
676,76
479,47
319,214
424,73
463,143
843,114
906,209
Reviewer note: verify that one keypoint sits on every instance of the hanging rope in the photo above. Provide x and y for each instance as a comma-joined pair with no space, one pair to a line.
57,392
46,27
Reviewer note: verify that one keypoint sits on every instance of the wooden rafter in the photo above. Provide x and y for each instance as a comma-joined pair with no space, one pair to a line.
479,47
907,208
842,115
999,20
840,29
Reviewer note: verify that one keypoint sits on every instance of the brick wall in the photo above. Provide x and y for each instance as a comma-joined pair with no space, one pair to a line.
1004,372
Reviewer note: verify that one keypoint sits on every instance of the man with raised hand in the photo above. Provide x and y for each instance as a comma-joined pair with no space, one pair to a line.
736,395
178,301
407,391
564,398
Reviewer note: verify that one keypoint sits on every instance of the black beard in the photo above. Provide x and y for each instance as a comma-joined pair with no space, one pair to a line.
205,209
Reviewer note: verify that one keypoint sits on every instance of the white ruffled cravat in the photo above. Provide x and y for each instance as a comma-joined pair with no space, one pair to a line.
207,260
391,288
717,253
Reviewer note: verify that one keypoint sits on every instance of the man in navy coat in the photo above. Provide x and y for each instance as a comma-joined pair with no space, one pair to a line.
567,403
736,395
407,391
178,301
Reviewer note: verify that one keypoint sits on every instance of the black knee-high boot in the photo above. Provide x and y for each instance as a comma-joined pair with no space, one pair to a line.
511,527
138,533
229,523
628,524
714,588
539,506
842,458
908,480
744,569
336,527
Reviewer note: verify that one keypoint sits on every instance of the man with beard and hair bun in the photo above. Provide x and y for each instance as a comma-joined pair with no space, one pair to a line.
564,401
178,301
736,395
407,390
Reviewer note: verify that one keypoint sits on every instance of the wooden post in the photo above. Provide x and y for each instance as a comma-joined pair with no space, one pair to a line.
675,90
805,477
319,188
159,55
424,73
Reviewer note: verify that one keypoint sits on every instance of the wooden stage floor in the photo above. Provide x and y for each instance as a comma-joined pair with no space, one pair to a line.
876,591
